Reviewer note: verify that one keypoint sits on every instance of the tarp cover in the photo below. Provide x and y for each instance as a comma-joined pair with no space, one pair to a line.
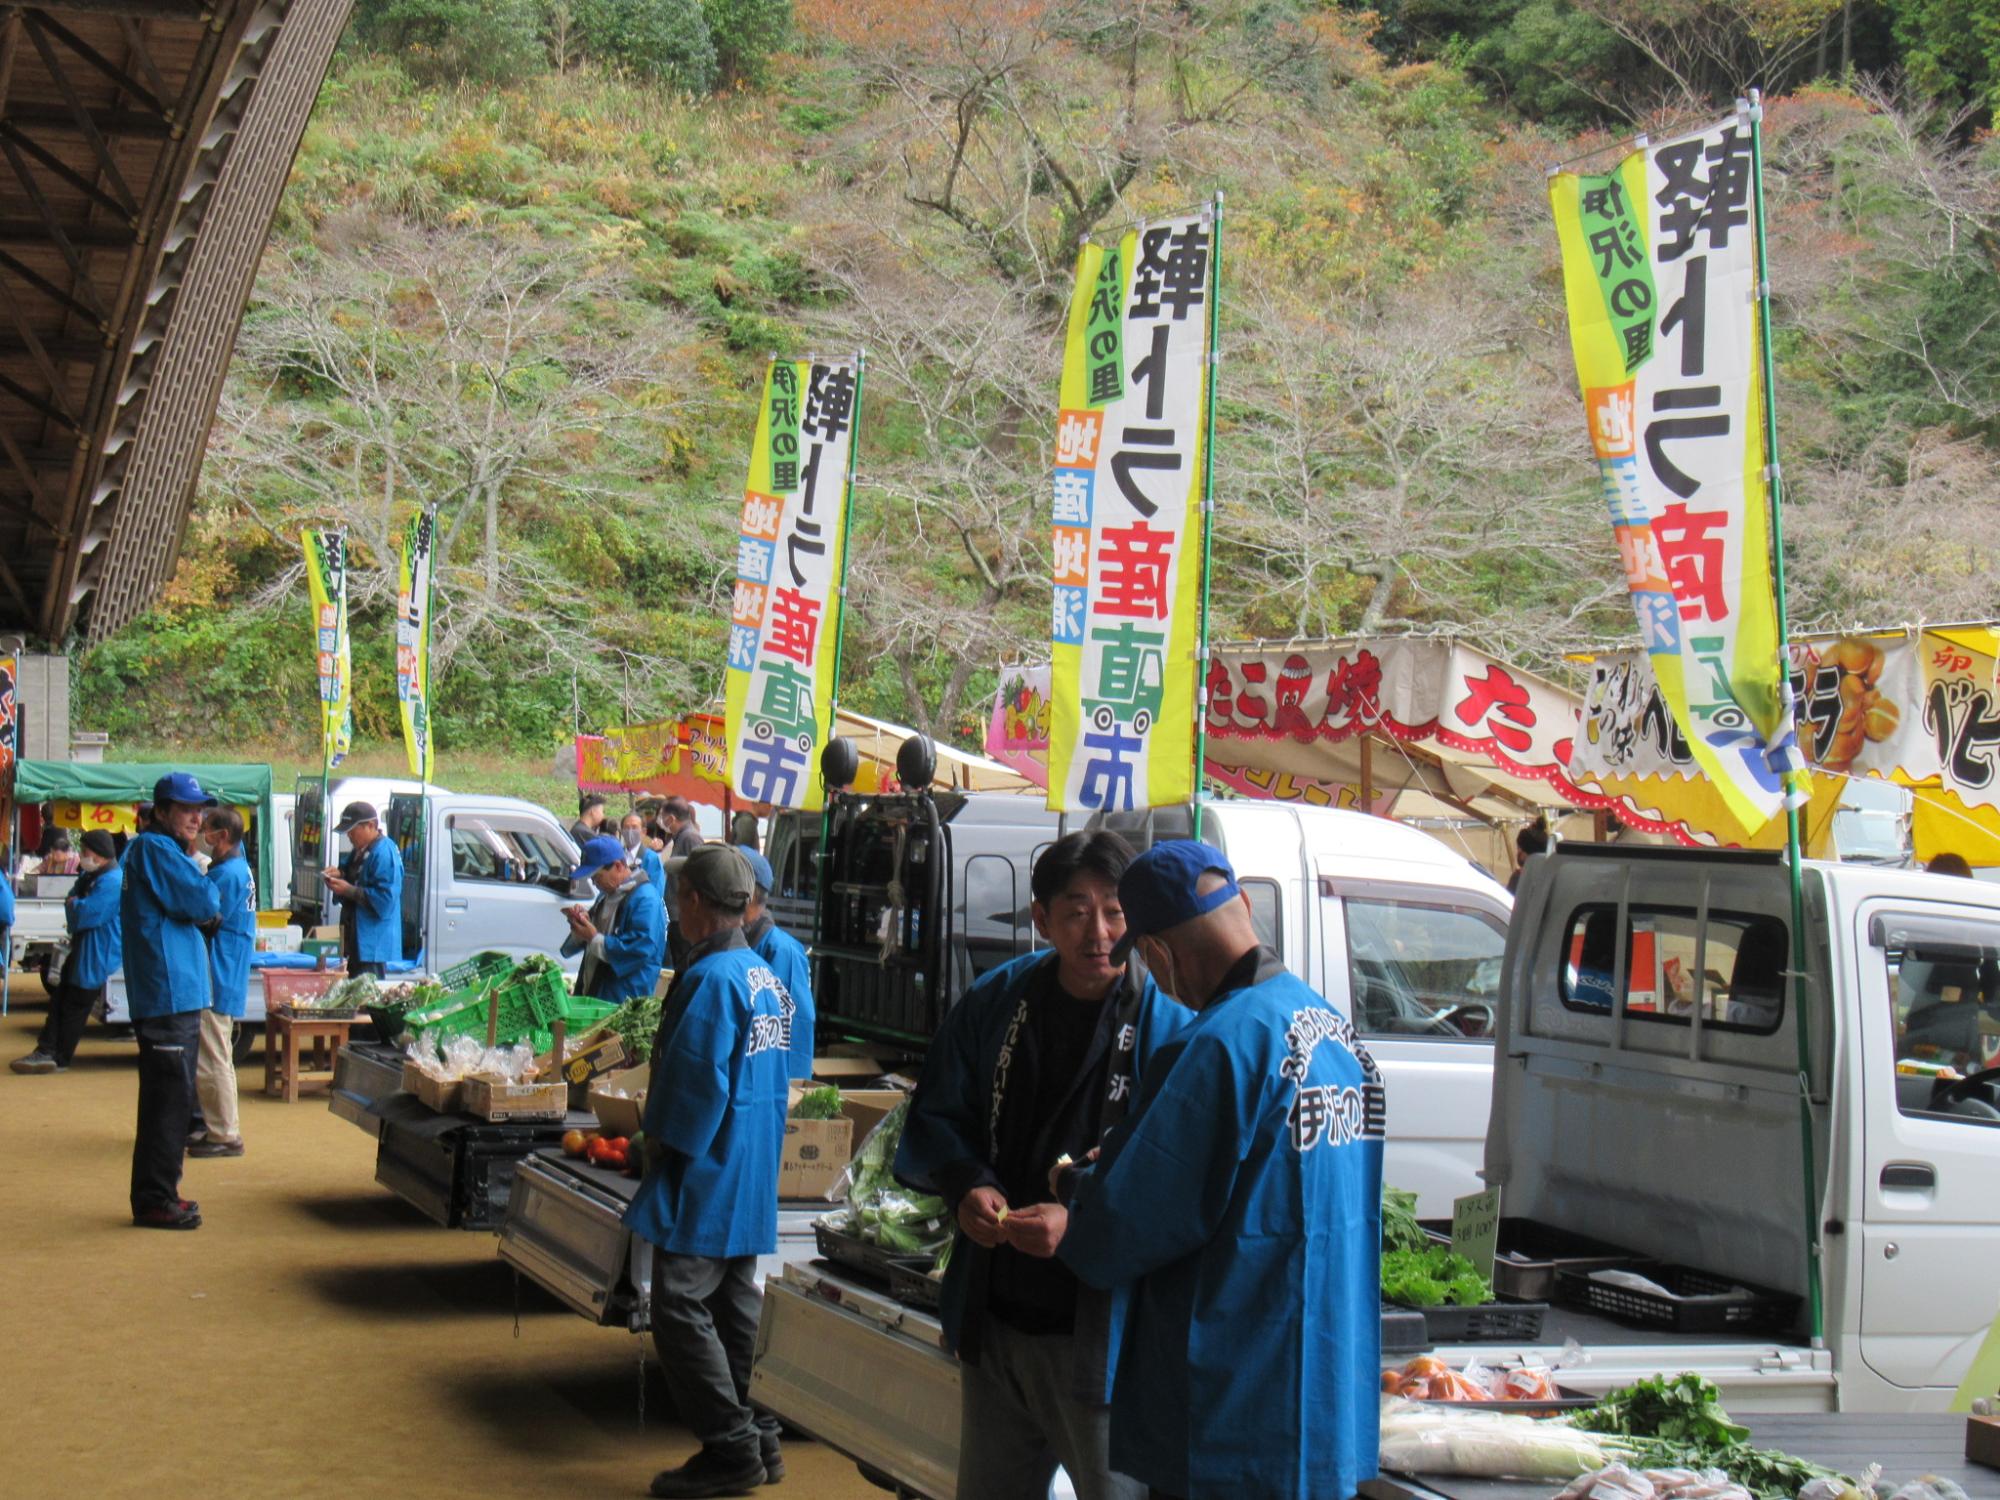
70,781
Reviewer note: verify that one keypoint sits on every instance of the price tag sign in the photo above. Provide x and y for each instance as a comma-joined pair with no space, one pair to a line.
1475,1229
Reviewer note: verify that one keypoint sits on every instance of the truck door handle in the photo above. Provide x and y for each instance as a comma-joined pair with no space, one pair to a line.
1909,1174
457,903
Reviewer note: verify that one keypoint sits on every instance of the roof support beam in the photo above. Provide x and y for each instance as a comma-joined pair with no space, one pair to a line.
107,163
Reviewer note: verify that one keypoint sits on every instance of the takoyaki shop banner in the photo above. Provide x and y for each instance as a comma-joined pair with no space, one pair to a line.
1279,716
1919,708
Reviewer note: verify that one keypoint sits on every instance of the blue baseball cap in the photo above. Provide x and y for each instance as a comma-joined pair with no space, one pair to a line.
1158,889
180,786
597,853
760,868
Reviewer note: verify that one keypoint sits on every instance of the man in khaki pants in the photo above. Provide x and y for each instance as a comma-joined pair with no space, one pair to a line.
230,945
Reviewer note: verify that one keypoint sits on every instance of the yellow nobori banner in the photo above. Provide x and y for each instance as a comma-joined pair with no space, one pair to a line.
326,581
1660,272
785,619
1126,516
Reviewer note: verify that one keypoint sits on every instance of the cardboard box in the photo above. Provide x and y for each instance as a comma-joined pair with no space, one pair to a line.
490,1100
1982,1440
606,1055
443,1097
617,1116
834,1069
818,1151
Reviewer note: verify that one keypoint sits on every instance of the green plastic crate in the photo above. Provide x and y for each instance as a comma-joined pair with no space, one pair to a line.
544,995
519,1017
476,970
581,1013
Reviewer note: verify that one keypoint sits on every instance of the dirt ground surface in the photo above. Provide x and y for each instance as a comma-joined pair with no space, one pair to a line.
315,1337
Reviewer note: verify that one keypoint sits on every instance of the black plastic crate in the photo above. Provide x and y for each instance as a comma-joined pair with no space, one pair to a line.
1403,1331
910,1282
1696,1301
1487,1322
1529,1254
854,1253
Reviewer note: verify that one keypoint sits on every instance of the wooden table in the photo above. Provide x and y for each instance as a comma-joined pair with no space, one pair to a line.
287,1034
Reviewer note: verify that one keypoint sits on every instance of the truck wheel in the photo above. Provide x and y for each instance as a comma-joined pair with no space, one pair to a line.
244,1043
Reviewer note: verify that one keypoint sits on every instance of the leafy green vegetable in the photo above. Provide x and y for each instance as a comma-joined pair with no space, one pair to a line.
533,964
1400,1230
636,1022
1432,1277
1678,1421
822,1103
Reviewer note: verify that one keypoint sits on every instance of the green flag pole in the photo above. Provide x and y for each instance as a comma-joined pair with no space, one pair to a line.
1753,108
839,643
1207,502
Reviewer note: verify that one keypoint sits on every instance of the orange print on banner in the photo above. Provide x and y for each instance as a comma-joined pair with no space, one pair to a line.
1644,571
1070,555
761,514
749,603
1077,433
1614,426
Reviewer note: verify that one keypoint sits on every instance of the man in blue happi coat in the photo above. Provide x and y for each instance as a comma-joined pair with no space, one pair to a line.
369,887
623,937
1039,1058
1240,1206
96,951
230,945
787,957
715,1128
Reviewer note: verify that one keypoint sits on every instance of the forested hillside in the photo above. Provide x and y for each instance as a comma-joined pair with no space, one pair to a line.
535,253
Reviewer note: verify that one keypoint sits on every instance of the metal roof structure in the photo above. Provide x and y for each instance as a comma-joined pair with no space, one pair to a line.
143,148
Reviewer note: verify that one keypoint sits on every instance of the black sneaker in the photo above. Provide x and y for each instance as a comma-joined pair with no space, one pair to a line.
177,1217
773,1455
209,1146
36,1062
712,1471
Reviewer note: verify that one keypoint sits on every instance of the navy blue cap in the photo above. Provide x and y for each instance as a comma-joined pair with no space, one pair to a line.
180,786
597,853
1158,889
760,868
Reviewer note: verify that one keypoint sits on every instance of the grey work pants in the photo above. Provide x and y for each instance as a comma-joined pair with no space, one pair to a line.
705,1329
1019,1417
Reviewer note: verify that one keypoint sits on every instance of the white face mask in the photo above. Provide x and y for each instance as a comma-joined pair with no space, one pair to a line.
630,837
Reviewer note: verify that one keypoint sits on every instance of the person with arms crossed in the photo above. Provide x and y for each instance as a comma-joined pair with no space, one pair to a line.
623,936
1039,1058
230,945
96,950
369,887
1240,1207
787,957
164,903
715,1128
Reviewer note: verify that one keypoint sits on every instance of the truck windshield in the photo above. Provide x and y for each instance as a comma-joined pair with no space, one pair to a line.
513,851
1419,968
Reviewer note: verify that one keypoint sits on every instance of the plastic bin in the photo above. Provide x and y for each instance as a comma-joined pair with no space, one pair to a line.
476,969
1519,1322
1694,1301
1530,1253
911,1283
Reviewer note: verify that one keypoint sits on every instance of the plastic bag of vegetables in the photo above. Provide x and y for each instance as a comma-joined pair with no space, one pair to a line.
881,1209
1489,1445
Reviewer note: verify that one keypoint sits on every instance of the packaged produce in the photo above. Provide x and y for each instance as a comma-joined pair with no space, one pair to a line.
1429,1378
881,1209
457,1057
1419,1439
1679,1422
1618,1482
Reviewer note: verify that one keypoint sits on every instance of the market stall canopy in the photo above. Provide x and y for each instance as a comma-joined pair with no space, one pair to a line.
1918,707
689,757
104,796
1405,726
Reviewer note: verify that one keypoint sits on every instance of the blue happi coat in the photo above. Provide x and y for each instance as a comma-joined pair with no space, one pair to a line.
96,933
230,946
164,900
630,955
950,1114
1241,1203
715,1109
378,903
787,957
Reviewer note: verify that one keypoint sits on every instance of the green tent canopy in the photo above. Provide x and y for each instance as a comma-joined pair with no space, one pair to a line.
239,786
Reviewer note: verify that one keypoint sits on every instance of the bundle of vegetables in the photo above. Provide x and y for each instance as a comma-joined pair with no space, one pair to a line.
822,1103
635,1022
881,1209
1400,1229
1432,1276
1678,1422
533,964
351,993
1490,1445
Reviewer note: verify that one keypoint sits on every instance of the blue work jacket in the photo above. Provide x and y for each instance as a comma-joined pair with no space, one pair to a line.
230,946
649,861
6,900
787,957
378,903
1241,1203
635,947
164,901
949,1128
715,1109
96,933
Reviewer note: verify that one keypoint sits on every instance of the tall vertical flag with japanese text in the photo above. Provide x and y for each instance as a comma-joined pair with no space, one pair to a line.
413,643
1126,519
1660,270
326,578
786,615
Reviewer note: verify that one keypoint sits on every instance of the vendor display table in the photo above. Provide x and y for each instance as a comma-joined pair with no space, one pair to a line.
287,1034
1905,1445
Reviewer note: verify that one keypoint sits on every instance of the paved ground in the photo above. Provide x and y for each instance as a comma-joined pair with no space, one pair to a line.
314,1338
